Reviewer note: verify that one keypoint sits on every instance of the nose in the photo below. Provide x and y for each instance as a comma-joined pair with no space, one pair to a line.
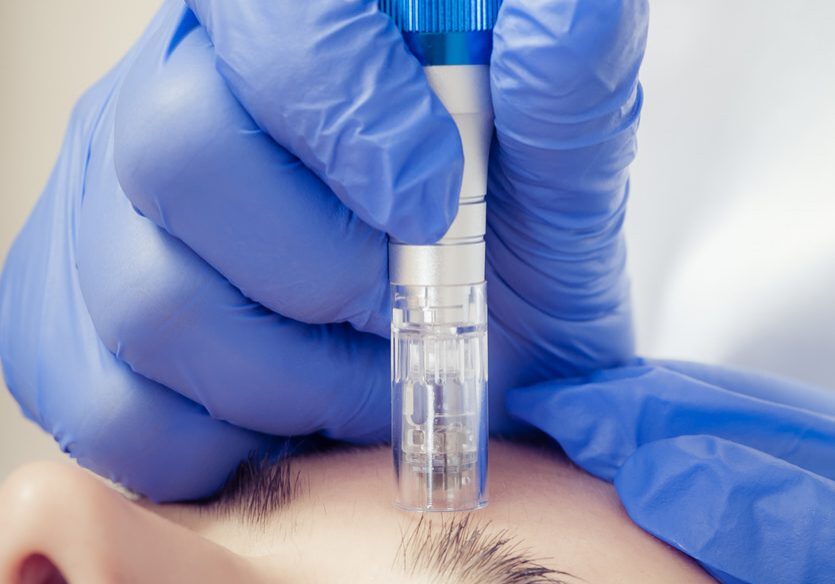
59,524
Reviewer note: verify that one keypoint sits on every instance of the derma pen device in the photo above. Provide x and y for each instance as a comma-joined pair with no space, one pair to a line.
439,317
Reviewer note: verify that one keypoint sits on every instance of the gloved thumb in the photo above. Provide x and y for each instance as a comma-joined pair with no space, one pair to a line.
333,82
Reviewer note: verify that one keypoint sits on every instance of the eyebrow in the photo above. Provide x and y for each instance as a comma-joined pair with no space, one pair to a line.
257,490
457,549
463,550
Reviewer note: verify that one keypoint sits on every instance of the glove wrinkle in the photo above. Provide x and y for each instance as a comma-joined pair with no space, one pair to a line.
242,203
745,515
285,62
652,403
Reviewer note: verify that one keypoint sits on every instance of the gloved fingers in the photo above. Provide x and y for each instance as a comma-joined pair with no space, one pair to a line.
113,421
600,422
174,319
565,74
548,347
192,160
333,82
567,102
756,384
745,515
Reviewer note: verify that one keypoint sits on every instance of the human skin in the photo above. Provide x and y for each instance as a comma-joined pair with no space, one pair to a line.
340,527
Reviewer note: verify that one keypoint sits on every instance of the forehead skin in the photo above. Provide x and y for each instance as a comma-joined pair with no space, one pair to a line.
343,527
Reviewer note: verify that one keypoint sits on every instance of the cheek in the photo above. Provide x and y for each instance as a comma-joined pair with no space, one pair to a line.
62,525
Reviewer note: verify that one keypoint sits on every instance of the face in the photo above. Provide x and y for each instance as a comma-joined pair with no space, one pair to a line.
329,518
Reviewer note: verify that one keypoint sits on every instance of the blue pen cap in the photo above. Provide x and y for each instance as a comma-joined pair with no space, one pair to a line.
446,32
442,15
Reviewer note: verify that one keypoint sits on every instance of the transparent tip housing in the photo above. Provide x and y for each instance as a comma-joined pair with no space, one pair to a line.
439,397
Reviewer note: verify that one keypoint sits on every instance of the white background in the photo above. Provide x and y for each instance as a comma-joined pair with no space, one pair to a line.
732,221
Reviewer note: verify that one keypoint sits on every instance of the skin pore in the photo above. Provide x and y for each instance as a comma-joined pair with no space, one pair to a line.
329,518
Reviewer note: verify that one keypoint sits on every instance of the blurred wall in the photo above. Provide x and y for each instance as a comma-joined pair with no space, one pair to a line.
730,228
50,52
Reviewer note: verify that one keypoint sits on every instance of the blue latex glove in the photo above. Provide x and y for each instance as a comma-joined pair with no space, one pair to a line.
207,268
734,468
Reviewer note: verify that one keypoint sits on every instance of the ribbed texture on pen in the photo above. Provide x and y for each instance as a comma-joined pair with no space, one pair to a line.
441,16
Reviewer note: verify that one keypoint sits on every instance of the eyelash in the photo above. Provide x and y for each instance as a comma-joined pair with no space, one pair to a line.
461,550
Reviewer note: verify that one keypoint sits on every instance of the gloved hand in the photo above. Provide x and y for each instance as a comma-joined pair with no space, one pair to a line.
734,468
207,268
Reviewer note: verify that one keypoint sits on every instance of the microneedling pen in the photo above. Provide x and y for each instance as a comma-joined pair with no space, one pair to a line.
439,317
